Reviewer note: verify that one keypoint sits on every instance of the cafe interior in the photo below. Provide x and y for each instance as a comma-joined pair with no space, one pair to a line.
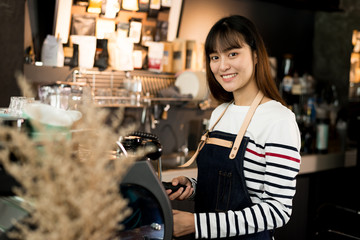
135,70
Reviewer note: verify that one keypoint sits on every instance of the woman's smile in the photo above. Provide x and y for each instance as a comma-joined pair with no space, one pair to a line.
228,77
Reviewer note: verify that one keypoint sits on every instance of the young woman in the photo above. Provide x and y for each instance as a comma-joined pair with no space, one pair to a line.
249,159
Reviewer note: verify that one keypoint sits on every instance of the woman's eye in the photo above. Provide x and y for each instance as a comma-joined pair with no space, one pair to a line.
214,58
233,54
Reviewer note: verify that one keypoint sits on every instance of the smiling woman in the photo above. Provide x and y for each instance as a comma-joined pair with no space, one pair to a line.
249,158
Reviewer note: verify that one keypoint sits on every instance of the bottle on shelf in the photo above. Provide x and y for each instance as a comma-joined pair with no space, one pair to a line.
137,87
128,85
307,127
134,87
322,130
289,80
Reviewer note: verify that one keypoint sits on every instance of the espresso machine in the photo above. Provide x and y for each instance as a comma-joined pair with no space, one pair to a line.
151,216
152,213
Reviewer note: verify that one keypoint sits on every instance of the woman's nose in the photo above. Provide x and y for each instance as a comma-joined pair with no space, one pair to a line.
224,65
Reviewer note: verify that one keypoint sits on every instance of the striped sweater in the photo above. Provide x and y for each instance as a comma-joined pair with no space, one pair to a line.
271,164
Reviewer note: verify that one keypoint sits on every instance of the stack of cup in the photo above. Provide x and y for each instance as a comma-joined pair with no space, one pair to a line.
17,105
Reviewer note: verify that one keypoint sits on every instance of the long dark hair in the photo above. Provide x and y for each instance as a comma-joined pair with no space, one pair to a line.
233,32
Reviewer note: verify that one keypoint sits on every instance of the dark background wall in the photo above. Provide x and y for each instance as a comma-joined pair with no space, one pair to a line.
333,47
12,18
285,29
12,45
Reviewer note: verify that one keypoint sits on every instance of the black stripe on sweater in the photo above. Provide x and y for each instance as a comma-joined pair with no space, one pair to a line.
273,145
208,224
283,166
256,144
217,225
246,224
271,199
198,224
237,224
280,176
263,216
278,195
273,218
254,162
279,186
267,183
281,146
256,227
277,212
253,171
227,225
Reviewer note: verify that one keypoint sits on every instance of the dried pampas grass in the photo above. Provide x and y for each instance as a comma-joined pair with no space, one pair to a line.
70,186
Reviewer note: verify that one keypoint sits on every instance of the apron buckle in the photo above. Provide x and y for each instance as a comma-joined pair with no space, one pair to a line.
203,140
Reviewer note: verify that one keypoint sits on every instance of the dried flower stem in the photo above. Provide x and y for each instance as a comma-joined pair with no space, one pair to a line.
71,186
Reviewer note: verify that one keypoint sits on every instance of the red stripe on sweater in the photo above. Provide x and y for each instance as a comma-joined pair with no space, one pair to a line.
273,155
283,156
255,153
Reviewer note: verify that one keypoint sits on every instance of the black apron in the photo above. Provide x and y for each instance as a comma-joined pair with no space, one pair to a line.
221,182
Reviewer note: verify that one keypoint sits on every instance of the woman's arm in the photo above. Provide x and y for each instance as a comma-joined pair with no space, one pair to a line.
184,223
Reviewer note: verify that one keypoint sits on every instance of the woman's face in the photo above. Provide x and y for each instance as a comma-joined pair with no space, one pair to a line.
233,68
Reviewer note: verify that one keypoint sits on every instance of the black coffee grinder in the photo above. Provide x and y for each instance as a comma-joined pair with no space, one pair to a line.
152,213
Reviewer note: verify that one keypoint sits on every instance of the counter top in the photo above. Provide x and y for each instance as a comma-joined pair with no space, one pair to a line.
309,164
321,162
168,175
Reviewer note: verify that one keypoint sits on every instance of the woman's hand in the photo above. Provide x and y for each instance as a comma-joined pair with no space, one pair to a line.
182,193
184,223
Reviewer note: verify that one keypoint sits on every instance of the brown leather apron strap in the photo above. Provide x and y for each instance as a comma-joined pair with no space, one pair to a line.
203,140
245,124
235,147
200,146
220,142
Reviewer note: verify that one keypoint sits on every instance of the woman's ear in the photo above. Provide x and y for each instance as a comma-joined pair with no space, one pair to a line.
255,58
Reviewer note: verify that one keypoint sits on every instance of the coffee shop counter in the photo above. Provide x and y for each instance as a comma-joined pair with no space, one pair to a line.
311,163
